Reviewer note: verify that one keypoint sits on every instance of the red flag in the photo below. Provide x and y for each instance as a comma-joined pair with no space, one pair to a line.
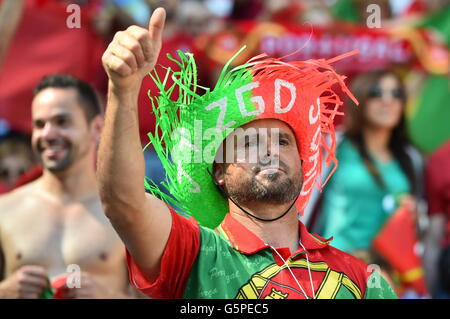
396,242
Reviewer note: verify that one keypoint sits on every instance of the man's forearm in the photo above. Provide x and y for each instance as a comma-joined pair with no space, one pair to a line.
142,222
121,167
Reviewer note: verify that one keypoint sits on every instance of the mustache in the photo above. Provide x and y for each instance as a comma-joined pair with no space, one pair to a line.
279,164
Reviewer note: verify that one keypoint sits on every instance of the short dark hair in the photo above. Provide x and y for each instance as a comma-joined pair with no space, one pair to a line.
88,98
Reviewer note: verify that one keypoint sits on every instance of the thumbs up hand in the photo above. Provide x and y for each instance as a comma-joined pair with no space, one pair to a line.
133,53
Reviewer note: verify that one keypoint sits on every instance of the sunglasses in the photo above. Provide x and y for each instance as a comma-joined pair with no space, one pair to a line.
377,92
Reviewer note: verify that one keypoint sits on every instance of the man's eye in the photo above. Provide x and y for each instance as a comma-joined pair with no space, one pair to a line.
250,142
39,124
284,142
62,122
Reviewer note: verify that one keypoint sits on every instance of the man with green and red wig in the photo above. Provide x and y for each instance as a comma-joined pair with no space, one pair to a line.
241,160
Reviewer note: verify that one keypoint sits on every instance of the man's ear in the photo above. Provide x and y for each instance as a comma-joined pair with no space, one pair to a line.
219,173
96,127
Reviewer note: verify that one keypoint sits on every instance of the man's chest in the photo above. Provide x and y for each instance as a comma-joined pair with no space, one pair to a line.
259,276
55,236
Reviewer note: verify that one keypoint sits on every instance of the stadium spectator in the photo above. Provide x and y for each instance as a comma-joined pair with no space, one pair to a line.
16,158
378,168
57,220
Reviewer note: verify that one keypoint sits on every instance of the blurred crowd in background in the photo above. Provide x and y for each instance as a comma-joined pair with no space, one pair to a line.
388,202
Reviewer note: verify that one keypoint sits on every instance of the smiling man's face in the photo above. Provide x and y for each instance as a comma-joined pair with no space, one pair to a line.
276,175
61,133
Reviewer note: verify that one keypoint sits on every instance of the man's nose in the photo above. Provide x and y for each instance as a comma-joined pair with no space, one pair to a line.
272,150
49,131
273,146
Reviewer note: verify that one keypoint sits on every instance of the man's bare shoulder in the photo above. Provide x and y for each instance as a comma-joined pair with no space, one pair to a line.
14,200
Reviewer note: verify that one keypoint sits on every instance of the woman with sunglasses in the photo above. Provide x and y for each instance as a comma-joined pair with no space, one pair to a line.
378,169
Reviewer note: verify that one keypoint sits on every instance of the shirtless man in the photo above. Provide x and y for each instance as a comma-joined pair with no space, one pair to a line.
57,220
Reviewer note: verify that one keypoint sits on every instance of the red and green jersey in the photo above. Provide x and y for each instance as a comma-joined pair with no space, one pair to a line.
232,262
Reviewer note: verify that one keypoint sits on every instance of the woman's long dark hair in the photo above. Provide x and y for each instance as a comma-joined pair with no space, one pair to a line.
355,120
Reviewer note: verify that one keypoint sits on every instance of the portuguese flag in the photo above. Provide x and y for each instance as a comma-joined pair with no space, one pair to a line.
396,243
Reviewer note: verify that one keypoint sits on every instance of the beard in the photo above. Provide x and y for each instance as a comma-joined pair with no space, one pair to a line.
56,164
59,166
275,188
